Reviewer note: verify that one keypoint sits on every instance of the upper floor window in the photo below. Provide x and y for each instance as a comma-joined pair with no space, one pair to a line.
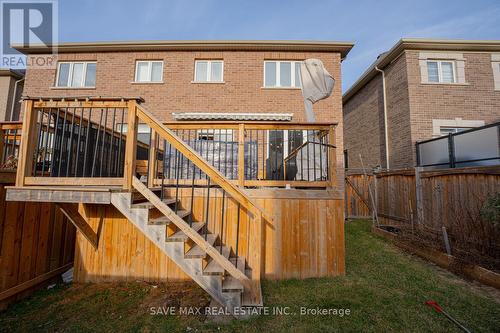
208,71
149,71
441,71
76,74
282,74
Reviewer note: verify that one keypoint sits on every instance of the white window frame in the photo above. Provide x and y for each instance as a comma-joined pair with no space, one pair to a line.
70,74
440,70
150,71
209,71
278,74
437,124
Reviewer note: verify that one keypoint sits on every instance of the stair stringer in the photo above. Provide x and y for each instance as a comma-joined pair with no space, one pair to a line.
193,267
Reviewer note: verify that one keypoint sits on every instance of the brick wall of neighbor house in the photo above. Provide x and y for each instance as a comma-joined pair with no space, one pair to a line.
364,126
364,121
476,100
398,114
241,92
6,91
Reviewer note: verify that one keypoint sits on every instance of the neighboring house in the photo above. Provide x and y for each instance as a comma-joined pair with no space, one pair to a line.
11,90
432,88
196,80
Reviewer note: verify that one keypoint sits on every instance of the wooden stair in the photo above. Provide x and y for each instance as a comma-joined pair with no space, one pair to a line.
197,252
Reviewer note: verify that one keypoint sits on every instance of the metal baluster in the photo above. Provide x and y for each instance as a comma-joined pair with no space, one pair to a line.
111,148
39,141
225,153
257,154
163,170
103,145
61,146
308,167
192,187
177,171
264,173
96,146
78,144
71,142
320,156
314,155
89,126
118,161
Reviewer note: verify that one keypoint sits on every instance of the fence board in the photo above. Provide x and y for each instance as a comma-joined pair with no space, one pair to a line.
30,247
451,198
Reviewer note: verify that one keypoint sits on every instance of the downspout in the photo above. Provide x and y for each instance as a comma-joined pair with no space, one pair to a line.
14,99
386,131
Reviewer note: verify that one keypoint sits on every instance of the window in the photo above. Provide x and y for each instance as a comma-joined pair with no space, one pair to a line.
441,71
282,74
216,135
76,74
149,71
208,71
448,130
442,127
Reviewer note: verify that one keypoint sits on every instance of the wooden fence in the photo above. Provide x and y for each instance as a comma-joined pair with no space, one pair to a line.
435,205
36,245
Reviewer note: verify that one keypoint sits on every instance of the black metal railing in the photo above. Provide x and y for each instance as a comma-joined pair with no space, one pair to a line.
475,147
10,140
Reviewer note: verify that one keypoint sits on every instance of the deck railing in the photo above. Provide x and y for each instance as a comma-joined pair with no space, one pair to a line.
255,154
10,139
83,142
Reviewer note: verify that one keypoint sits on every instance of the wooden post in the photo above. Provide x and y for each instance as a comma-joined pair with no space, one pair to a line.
332,157
28,136
241,155
255,257
2,141
130,146
152,161
419,196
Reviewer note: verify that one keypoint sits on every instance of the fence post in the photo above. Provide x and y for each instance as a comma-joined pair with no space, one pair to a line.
130,146
255,256
28,136
332,157
451,150
241,155
152,160
419,196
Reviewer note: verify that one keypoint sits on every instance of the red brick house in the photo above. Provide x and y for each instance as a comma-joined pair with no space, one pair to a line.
432,87
195,80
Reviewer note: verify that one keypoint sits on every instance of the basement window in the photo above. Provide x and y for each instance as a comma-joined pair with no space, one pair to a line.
282,74
149,71
76,75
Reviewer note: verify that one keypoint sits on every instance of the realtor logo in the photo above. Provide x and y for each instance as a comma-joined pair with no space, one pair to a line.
29,24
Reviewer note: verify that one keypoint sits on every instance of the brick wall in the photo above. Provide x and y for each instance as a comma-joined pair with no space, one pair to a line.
241,92
476,100
364,126
412,105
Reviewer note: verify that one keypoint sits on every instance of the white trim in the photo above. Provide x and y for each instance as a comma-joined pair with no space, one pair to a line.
209,71
278,74
231,116
70,74
150,71
457,59
457,122
495,66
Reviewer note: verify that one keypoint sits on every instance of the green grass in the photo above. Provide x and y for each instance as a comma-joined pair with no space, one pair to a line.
384,289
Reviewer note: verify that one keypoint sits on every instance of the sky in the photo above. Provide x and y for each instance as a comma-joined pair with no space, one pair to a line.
374,26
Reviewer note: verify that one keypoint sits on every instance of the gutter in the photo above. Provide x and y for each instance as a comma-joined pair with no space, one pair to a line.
14,99
386,131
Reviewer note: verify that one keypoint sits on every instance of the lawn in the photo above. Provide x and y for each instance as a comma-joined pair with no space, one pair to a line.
384,290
